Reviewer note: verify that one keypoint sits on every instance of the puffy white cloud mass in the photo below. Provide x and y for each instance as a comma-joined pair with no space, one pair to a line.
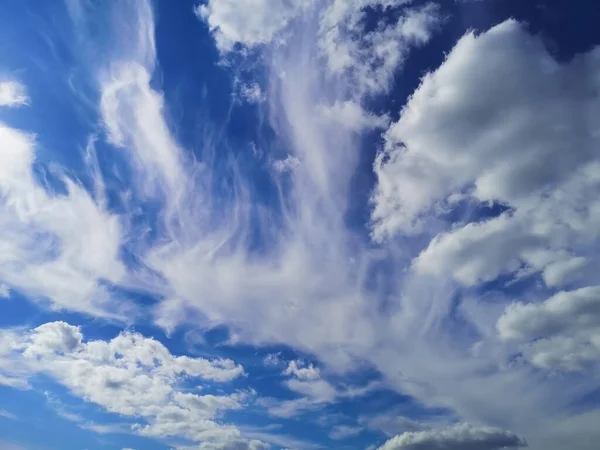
131,375
371,59
561,332
248,22
458,437
526,142
504,143
368,59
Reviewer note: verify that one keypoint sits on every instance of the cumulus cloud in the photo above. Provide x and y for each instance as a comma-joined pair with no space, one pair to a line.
562,332
13,94
458,437
371,59
133,376
505,144
392,422
248,23
296,369
526,146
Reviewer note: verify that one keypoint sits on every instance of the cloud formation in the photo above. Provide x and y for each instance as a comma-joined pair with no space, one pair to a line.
458,136
13,94
562,332
130,375
235,21
314,392
298,268
458,437
56,247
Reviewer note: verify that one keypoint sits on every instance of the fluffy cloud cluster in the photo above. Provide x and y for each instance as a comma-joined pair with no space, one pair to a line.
526,145
458,437
366,60
371,59
561,332
131,375
248,23
527,135
526,142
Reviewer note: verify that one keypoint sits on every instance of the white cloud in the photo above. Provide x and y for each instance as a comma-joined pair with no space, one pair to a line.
371,59
458,437
526,141
248,23
564,271
7,415
55,247
352,116
13,94
313,288
251,92
131,375
505,144
561,332
531,239
392,422
341,432
231,445
296,369
144,131
272,360
105,428
4,291
287,164
314,391
314,266
527,144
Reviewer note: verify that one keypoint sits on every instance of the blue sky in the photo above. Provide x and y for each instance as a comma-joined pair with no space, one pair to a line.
299,224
